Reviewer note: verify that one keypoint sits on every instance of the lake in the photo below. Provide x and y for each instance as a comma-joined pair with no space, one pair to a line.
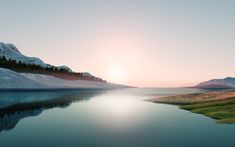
115,118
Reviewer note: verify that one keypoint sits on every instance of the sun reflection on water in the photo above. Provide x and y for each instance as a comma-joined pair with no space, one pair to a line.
122,111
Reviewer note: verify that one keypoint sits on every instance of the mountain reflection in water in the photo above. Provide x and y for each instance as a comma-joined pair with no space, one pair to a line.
15,106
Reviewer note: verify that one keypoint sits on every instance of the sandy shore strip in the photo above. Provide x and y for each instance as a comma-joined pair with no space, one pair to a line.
196,97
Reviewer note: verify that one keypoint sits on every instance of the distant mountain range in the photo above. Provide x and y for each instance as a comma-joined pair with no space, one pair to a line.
18,71
225,83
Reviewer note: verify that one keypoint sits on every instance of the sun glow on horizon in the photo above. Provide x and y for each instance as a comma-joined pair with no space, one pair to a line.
116,74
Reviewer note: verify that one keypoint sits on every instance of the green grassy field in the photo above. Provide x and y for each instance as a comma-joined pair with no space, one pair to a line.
223,111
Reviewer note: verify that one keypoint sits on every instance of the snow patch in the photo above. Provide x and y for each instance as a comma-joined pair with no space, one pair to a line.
12,80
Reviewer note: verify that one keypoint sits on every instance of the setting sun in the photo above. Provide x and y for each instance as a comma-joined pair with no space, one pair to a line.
116,74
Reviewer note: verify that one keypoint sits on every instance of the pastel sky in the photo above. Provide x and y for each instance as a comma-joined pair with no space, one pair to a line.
153,43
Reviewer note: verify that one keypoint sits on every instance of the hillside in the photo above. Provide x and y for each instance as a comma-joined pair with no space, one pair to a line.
11,58
14,80
225,83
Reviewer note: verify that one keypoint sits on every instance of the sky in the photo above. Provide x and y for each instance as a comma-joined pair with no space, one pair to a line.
145,43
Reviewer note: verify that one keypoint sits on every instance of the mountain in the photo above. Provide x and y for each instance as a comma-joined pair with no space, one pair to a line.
225,83
18,71
12,58
11,52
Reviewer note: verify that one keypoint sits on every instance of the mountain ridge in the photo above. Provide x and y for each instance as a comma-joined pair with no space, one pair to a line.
225,83
10,53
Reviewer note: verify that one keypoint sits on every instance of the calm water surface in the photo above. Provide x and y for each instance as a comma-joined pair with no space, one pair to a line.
118,118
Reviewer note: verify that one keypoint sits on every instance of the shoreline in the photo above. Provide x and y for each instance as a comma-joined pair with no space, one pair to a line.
53,89
195,98
218,105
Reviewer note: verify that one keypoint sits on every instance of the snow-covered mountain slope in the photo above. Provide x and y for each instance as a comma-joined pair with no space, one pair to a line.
10,79
10,51
13,80
228,82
